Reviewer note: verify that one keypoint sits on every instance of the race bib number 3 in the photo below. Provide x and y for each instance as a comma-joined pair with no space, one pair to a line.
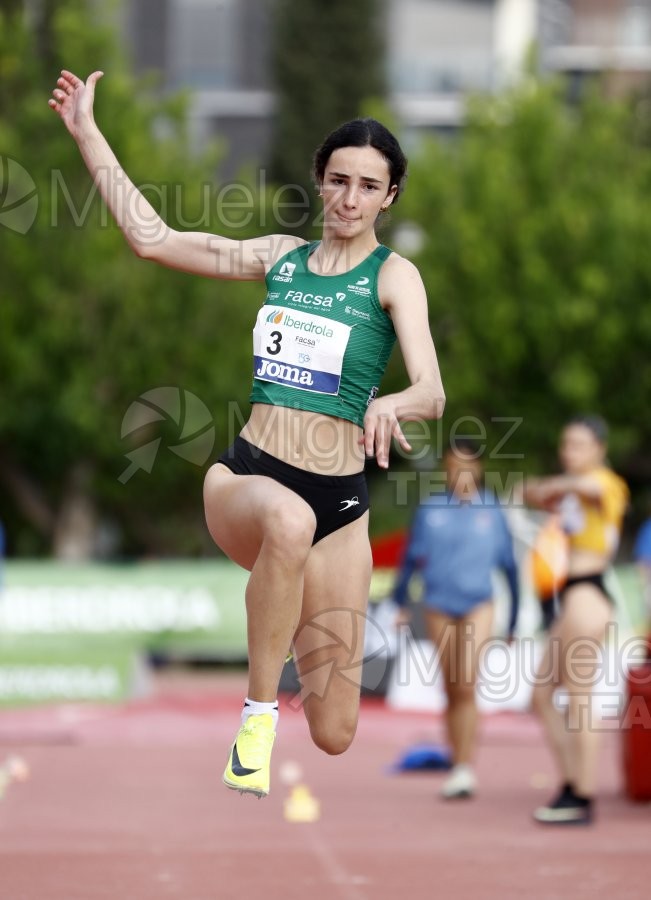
299,349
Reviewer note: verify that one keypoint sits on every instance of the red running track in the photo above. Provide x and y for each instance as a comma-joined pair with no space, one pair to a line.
128,804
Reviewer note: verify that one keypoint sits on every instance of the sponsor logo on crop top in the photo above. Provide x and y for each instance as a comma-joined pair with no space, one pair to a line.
309,299
360,287
285,272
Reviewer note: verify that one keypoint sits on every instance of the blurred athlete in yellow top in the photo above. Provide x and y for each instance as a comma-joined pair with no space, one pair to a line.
591,501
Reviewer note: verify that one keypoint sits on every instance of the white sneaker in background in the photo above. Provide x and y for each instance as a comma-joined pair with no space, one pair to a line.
460,783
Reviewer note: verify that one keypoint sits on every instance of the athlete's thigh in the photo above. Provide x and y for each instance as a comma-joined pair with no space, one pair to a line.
329,641
241,510
443,632
585,613
476,630
548,673
581,629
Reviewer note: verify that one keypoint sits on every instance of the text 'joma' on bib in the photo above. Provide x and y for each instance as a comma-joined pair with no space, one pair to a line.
299,349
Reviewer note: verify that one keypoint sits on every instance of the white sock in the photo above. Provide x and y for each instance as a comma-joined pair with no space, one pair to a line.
259,708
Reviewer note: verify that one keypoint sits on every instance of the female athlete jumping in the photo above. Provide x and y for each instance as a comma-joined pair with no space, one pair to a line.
288,500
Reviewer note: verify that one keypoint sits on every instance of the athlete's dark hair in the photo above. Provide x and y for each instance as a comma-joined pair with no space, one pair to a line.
363,133
595,424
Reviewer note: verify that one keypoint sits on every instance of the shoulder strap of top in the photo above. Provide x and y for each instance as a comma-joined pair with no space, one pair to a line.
382,252
377,259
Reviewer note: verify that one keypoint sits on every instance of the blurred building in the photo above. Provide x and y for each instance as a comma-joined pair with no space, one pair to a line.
220,50
437,52
606,38
440,50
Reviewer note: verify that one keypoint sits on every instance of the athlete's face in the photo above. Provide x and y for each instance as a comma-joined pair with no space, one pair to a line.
580,450
464,473
355,189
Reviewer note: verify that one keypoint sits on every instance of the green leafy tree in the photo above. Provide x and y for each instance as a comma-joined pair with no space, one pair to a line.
535,228
328,63
85,327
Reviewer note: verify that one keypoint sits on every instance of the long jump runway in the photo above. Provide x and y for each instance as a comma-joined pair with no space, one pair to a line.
128,804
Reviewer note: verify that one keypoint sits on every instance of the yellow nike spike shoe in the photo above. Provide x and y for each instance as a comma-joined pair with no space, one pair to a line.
247,769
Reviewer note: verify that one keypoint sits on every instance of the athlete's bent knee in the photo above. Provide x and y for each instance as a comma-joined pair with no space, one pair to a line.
210,481
334,739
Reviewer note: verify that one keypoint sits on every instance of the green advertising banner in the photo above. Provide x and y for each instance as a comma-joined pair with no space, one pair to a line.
34,670
154,604
82,632
85,632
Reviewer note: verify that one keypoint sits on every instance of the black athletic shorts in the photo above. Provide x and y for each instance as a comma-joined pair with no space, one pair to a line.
597,580
335,499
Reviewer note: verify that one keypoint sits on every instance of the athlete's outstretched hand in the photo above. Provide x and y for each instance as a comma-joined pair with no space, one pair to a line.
73,100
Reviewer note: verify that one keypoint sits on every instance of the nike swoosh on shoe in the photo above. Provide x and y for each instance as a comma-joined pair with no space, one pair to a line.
236,766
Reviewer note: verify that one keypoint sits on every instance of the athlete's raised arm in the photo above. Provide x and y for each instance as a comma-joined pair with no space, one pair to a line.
402,294
547,492
148,235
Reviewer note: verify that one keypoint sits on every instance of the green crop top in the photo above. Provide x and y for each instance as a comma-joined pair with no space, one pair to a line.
321,342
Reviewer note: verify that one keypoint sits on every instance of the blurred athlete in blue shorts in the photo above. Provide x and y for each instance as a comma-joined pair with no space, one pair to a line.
457,539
